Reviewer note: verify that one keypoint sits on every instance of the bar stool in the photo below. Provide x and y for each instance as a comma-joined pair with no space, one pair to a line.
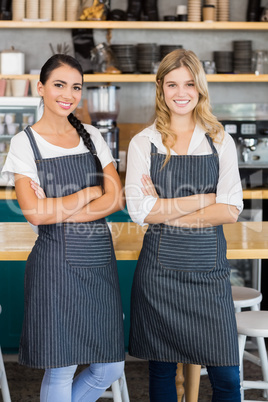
253,324
3,377
246,297
119,391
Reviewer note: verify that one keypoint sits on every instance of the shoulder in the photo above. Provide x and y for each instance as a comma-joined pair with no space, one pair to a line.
20,143
92,130
20,139
146,137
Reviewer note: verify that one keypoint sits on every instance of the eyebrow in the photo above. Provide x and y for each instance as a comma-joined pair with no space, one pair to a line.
64,82
174,82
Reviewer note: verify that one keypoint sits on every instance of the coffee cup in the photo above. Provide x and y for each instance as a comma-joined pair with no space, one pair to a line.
208,13
19,87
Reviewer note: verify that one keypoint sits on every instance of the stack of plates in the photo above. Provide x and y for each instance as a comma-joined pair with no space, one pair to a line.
32,9
45,9
212,3
148,54
224,62
165,49
242,56
18,10
194,10
72,7
223,10
126,56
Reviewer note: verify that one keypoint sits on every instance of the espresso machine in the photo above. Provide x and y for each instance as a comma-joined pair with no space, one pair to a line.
248,125
103,108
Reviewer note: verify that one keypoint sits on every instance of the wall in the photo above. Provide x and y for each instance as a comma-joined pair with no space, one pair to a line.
137,100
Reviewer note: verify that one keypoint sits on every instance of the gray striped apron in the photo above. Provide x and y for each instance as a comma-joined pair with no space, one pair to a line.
181,303
73,312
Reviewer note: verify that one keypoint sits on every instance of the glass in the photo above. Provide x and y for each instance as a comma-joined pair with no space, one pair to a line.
260,62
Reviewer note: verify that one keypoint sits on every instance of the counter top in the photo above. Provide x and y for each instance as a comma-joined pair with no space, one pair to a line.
248,194
245,240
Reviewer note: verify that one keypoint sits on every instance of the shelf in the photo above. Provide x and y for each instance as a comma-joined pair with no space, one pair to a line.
151,77
228,25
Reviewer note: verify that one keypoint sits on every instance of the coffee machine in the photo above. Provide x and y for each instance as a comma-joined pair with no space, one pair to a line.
103,107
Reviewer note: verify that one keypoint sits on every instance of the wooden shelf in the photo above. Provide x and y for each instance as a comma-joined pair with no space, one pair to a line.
150,77
228,25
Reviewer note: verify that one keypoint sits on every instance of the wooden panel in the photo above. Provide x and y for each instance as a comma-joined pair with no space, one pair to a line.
132,78
245,240
228,25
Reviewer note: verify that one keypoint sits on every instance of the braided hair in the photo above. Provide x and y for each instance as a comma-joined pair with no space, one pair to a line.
76,123
54,62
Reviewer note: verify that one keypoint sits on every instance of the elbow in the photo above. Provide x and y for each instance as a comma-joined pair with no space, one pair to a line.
233,214
33,219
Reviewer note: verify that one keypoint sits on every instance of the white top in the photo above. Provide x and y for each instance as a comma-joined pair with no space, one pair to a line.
229,189
20,158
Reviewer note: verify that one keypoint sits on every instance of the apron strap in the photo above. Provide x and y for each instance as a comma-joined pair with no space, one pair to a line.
33,143
153,149
210,141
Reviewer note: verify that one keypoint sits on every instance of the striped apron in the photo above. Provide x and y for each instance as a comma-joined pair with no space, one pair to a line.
181,302
73,312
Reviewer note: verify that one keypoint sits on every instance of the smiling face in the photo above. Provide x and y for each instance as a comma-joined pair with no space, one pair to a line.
62,91
180,93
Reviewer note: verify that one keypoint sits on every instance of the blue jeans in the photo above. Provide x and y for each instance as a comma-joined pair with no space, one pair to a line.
58,384
225,382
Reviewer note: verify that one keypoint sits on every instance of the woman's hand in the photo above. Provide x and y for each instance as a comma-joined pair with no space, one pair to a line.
39,192
148,186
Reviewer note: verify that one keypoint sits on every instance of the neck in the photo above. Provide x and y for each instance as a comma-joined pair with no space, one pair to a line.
182,125
57,125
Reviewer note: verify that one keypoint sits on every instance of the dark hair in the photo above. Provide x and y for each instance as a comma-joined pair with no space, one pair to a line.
54,62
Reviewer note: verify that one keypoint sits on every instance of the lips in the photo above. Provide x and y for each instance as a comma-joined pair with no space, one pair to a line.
65,105
181,102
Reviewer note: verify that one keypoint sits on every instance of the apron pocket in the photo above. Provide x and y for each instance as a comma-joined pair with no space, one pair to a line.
87,245
184,249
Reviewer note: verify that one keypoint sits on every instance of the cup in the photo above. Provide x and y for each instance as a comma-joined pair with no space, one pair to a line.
10,118
2,128
181,13
3,84
260,62
33,85
208,13
28,118
2,117
12,128
19,87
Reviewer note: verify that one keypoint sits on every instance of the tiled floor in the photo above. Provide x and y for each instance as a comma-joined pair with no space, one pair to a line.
24,383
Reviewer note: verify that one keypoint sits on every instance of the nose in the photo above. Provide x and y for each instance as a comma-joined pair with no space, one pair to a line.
180,90
67,93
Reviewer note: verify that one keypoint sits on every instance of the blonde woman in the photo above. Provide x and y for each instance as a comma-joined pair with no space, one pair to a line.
183,180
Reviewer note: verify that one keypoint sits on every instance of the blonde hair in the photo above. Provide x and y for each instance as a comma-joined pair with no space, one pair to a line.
202,113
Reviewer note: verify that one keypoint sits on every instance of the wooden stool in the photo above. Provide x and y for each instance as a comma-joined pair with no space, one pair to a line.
119,391
246,297
3,378
253,324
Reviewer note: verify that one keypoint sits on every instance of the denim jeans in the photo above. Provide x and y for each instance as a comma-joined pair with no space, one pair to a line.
225,382
58,384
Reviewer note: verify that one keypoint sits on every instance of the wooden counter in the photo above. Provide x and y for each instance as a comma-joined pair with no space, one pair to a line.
247,240
249,194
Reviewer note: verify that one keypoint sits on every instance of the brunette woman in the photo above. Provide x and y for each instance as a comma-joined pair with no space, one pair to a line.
73,312
183,180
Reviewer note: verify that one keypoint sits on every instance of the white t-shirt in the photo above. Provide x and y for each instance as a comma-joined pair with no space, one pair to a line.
229,188
20,158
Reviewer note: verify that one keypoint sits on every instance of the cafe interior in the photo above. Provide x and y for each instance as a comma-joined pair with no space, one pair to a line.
120,44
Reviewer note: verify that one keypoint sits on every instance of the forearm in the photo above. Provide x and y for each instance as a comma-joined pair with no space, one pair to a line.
97,209
173,208
213,215
54,210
